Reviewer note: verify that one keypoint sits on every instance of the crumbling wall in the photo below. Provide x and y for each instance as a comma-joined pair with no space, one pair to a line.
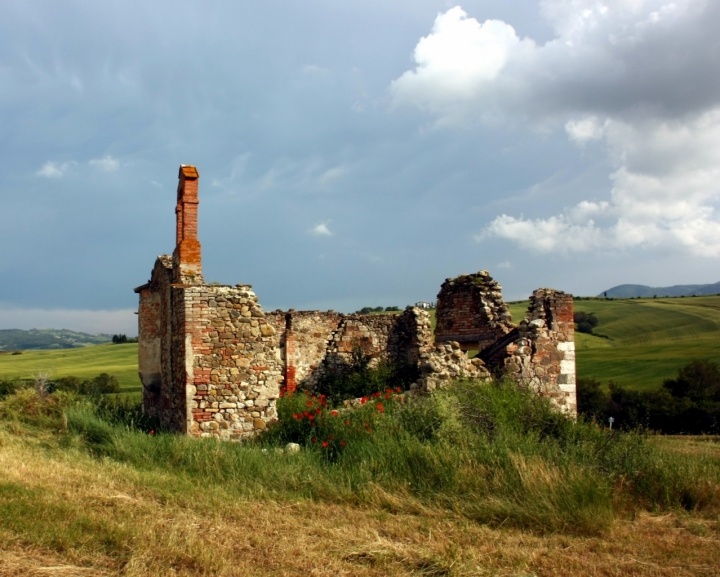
314,343
471,312
543,356
163,396
539,353
309,333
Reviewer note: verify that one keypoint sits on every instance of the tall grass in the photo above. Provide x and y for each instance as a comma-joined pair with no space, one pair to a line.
494,454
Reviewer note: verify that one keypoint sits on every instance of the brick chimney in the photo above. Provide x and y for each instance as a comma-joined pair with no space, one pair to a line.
187,257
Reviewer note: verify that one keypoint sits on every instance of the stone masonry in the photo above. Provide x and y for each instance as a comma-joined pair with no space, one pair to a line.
212,362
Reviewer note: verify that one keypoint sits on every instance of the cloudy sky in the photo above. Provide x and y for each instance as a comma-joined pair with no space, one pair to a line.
355,153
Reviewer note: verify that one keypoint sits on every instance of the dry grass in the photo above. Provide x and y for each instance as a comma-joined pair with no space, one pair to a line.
692,445
95,517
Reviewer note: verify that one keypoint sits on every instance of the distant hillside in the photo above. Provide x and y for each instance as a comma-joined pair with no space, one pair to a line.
627,291
16,339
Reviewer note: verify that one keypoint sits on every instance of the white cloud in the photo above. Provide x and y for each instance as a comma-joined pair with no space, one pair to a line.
53,169
638,76
321,229
314,70
331,175
665,194
585,129
454,61
107,163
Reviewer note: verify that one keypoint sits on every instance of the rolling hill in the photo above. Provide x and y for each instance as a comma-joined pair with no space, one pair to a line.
628,291
17,339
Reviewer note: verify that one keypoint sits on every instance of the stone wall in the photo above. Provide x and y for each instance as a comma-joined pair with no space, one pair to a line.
325,342
470,311
310,333
233,367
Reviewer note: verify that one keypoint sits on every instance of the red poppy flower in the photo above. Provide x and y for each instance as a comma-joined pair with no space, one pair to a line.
313,440
380,408
363,400
325,444
343,443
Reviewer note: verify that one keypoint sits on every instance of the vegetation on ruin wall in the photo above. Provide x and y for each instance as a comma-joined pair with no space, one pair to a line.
468,456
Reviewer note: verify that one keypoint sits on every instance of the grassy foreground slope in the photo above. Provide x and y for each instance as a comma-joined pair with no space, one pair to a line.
85,363
474,480
644,341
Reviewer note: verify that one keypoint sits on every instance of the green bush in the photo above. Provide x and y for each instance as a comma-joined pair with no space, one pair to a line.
29,406
311,420
103,384
357,378
8,387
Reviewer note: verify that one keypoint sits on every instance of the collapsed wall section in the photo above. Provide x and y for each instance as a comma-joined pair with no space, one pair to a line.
543,355
471,312
314,343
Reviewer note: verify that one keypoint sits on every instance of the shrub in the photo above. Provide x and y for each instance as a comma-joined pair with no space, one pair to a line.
27,405
124,411
311,420
9,387
585,322
69,384
592,400
357,378
103,384
697,381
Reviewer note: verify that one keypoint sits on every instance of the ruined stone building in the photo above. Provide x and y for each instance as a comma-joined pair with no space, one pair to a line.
212,362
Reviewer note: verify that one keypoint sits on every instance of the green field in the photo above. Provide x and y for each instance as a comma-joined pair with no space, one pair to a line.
85,363
644,342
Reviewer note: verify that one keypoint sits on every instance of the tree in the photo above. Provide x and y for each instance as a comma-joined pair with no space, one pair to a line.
592,400
698,381
585,322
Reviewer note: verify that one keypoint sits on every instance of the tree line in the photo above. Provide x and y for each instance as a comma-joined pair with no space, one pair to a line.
102,384
689,403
